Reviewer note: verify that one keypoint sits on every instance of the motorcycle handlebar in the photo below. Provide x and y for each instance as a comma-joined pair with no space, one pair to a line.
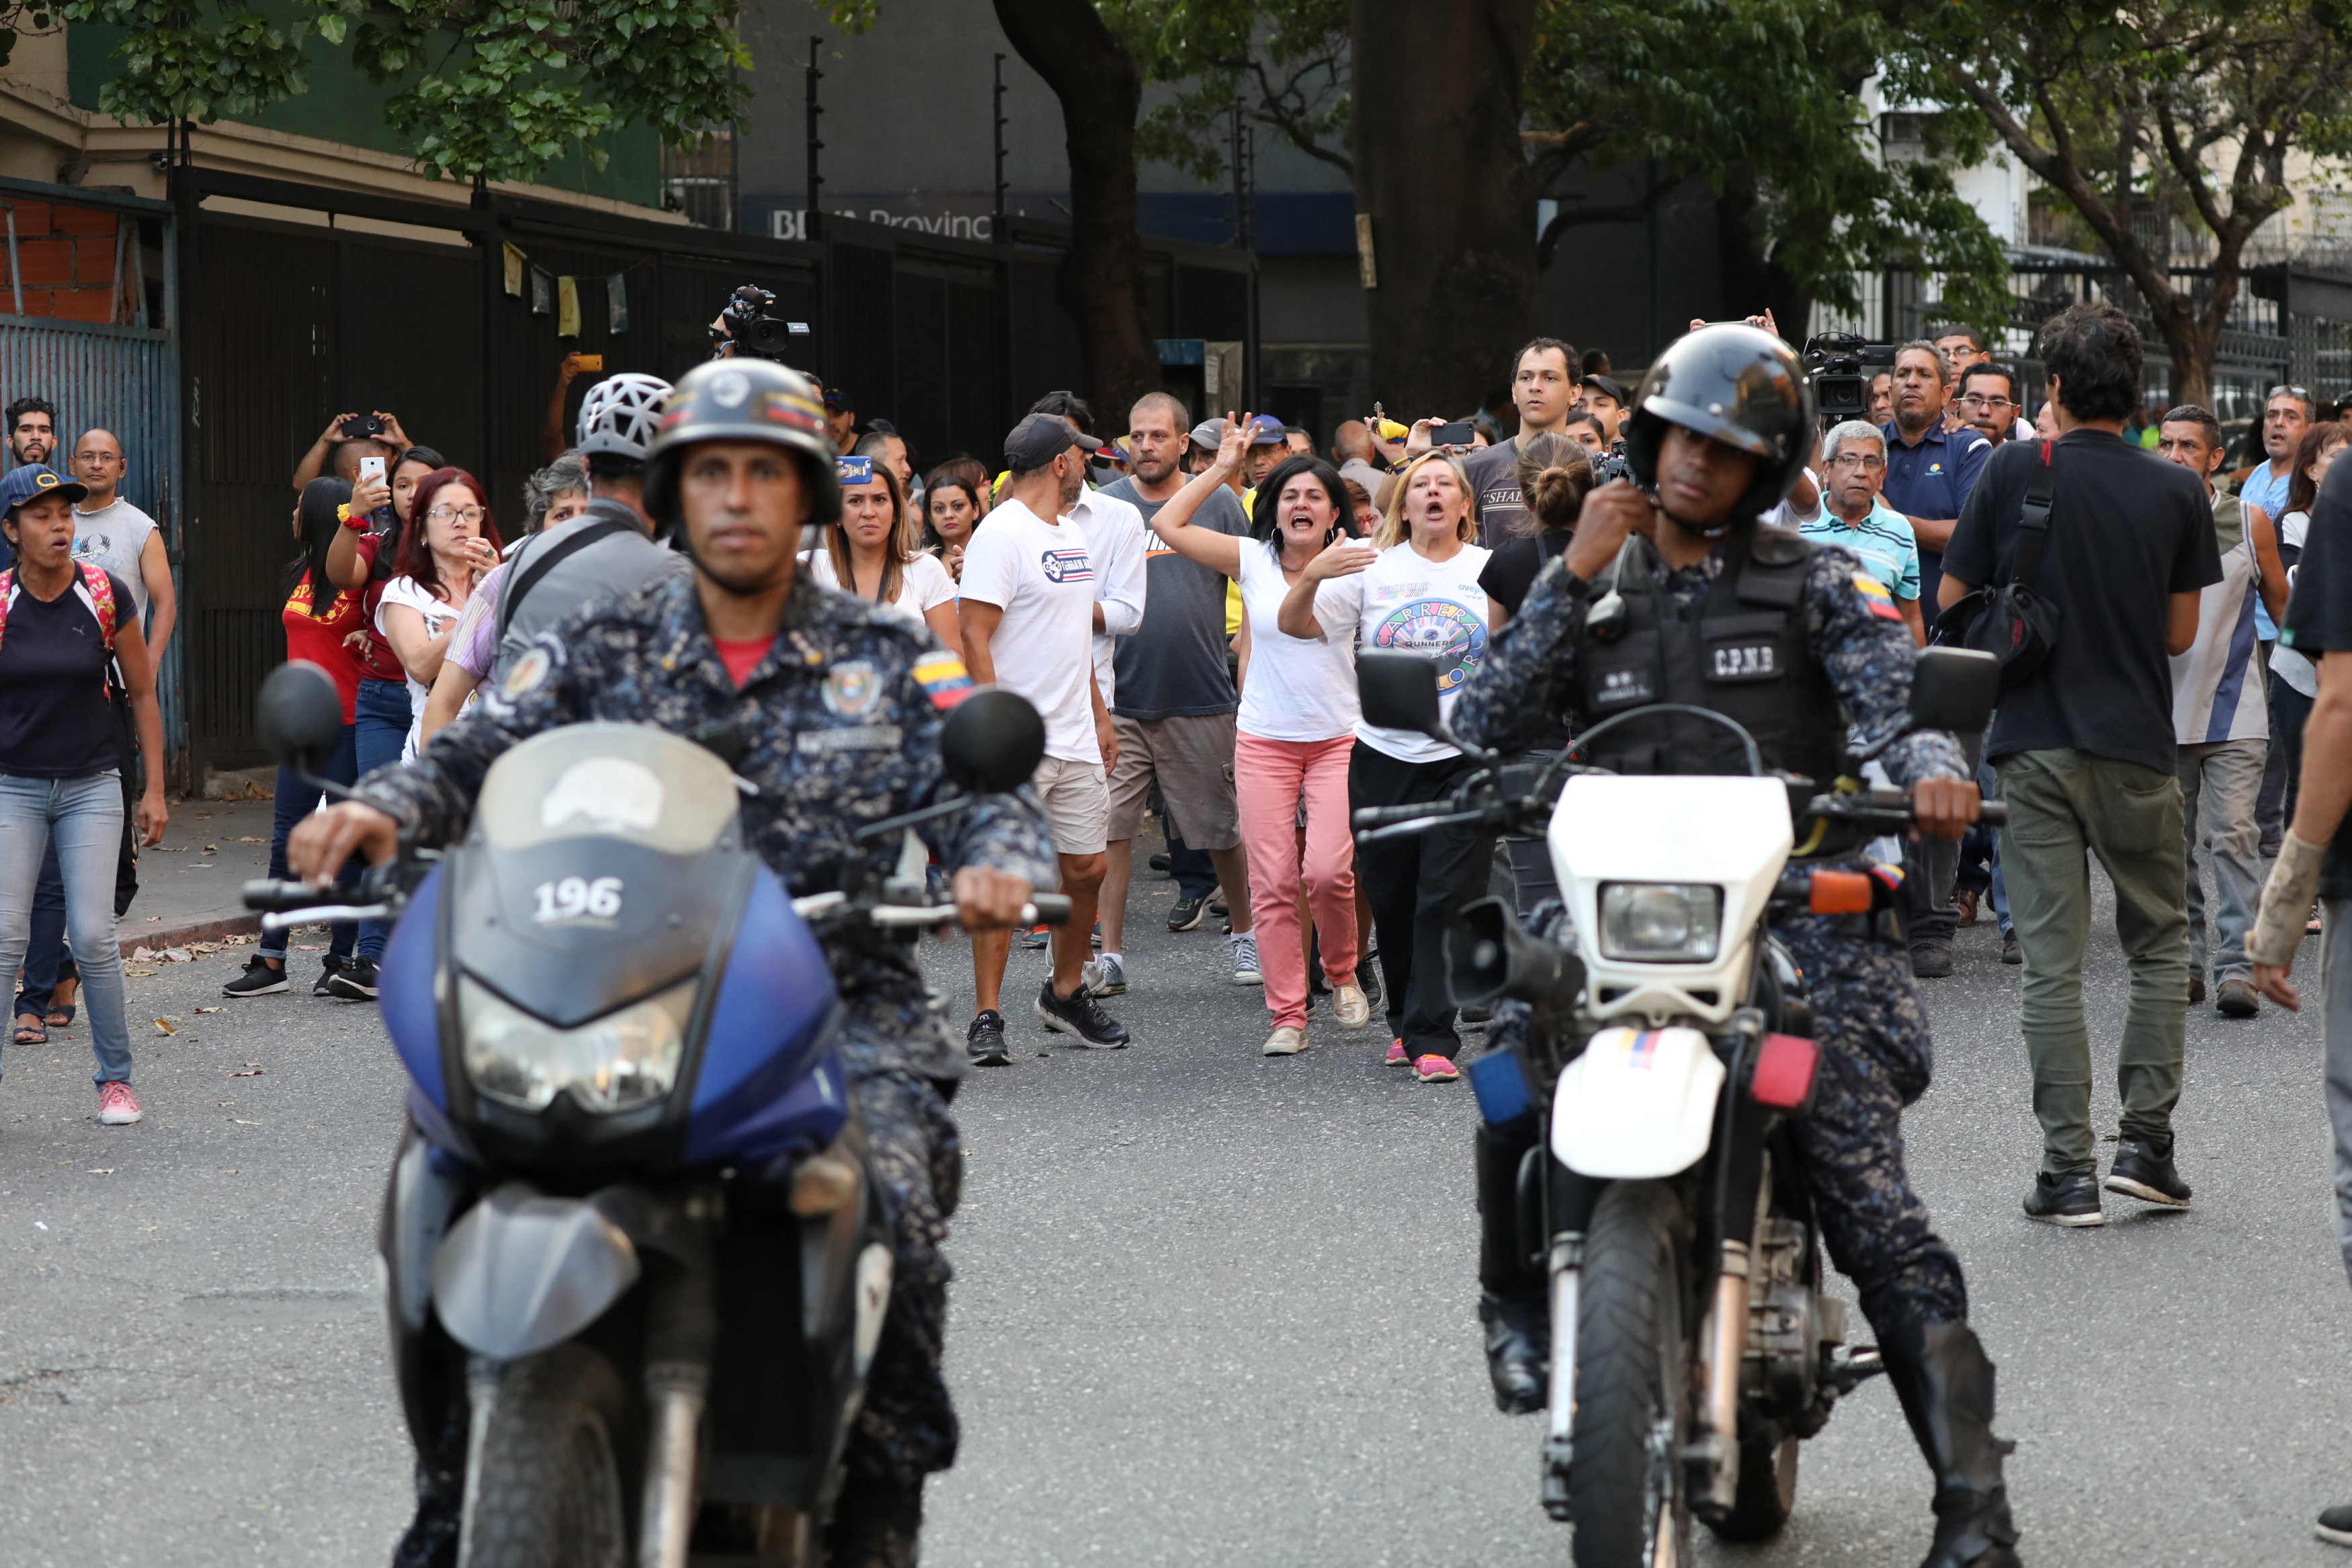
276,897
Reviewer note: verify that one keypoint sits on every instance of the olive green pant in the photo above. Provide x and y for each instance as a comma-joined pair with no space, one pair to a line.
2063,804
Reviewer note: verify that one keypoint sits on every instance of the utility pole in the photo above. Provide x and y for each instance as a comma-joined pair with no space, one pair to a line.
811,224
996,226
1242,158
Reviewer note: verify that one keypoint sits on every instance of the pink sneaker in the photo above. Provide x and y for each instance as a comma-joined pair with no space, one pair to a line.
117,1107
1396,1056
1436,1069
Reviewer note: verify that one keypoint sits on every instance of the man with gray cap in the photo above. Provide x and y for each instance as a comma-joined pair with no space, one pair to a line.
1029,595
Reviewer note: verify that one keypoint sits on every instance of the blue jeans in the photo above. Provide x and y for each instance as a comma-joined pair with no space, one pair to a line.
48,965
1989,785
381,732
295,801
82,818
2221,783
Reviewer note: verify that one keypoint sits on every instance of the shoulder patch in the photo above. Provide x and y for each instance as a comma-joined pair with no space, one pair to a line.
529,673
1875,595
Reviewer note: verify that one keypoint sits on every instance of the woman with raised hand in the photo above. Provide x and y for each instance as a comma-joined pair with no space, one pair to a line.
1295,729
1415,591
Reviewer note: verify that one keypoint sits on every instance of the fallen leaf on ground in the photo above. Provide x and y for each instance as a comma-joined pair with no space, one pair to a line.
139,973
248,1072
212,849
165,1026
243,1122
142,955
101,1170
208,1009
251,840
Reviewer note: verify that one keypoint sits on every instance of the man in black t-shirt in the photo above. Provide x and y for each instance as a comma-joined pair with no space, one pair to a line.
2315,854
2085,753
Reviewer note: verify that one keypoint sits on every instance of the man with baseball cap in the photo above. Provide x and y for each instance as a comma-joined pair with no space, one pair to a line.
1028,615
840,419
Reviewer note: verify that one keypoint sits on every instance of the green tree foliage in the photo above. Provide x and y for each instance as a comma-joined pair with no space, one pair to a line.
1285,65
496,89
2147,116
1760,100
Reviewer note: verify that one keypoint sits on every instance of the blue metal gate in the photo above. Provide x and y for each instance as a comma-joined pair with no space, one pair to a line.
123,378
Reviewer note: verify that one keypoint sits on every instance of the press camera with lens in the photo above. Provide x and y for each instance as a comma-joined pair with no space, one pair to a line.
1835,364
747,325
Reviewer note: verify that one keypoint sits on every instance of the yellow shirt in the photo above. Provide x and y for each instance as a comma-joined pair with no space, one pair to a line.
1233,588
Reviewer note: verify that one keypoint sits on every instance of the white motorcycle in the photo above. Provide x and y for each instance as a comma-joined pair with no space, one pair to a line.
1692,1345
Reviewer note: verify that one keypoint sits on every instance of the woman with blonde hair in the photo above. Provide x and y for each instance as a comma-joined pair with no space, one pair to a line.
872,553
1414,588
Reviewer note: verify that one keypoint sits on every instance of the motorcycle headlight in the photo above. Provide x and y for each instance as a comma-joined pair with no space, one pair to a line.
1661,922
618,1062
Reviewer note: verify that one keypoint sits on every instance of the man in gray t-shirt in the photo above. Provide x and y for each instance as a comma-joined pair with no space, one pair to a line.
1174,701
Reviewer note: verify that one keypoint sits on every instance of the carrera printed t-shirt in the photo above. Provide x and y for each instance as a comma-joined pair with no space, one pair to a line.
1406,603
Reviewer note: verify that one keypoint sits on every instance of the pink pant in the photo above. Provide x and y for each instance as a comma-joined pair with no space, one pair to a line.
1268,777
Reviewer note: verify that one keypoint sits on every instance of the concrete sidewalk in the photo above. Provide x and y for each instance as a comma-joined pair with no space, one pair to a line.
189,884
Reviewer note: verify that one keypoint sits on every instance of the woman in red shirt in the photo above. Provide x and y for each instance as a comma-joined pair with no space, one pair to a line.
325,626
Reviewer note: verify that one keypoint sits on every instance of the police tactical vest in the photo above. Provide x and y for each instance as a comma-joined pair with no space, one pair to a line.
1740,650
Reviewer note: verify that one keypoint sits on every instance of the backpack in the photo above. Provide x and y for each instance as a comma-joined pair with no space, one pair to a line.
2008,620
95,589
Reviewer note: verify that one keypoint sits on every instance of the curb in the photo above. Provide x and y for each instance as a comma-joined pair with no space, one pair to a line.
203,928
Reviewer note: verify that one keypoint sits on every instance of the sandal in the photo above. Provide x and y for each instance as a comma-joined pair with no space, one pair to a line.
61,1016
30,1030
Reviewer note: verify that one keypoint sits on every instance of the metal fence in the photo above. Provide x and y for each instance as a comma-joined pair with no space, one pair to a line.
123,378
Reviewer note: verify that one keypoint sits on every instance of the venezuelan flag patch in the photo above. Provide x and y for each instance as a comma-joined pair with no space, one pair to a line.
1875,594
943,679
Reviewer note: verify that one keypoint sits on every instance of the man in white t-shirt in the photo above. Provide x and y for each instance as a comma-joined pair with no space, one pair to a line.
109,531
1028,587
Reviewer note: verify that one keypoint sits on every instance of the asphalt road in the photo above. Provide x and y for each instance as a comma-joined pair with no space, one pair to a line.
1211,1308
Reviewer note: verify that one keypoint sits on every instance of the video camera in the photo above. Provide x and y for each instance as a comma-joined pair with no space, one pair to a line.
1834,365
747,324
1610,466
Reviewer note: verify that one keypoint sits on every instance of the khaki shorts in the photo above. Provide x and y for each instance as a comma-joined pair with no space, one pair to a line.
1193,757
1077,803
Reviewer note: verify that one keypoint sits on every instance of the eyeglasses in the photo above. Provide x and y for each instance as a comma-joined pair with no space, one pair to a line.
1973,401
1862,460
445,514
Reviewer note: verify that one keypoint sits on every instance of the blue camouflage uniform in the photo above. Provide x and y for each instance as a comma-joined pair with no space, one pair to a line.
840,726
1875,1056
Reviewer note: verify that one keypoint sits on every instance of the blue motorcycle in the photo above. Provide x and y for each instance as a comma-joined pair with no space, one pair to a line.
636,1257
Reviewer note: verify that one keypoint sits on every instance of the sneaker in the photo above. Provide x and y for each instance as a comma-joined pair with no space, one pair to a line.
1351,1007
2070,1200
2335,1526
117,1107
355,981
1474,1014
1037,936
1188,914
259,979
1436,1069
1285,1041
1245,970
1932,962
2195,989
327,971
1159,862
1080,1016
2237,999
1107,976
2141,1171
985,1043
1396,1056
2012,951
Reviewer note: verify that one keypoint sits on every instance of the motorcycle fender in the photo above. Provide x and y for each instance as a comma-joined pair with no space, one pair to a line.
1638,1104
522,1272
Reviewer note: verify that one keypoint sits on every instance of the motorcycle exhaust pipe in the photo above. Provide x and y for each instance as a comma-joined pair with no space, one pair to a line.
675,1395
1727,1347
1567,1256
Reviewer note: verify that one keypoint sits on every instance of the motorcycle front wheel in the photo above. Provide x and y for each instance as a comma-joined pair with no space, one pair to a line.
1631,1505
544,1490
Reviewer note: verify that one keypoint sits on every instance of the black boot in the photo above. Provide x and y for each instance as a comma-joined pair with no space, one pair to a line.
432,1538
1945,1385
875,1525
1511,1303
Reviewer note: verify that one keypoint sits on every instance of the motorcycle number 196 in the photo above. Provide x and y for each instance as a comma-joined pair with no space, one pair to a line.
575,898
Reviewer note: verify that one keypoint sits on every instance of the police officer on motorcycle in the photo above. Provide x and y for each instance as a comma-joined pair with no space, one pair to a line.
828,707
1674,592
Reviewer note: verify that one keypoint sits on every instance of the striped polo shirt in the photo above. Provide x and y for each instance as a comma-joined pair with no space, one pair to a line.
1884,540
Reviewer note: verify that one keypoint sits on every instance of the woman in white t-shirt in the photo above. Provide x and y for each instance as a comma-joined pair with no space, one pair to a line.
1297,728
872,555
1416,590
449,542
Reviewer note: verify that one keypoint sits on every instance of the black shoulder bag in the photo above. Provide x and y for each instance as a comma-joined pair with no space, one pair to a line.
2008,620
521,583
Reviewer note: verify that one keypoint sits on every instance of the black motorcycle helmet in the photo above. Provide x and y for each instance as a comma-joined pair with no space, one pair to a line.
1739,384
744,400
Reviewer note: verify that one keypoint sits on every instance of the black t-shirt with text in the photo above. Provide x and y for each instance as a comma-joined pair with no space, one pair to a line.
55,720
1494,475
2127,530
2318,622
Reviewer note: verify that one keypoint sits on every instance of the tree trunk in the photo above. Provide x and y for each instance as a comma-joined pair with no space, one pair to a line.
1440,173
1752,281
1101,282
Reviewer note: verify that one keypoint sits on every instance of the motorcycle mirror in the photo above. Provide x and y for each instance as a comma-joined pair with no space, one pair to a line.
300,715
1399,691
992,742
1954,689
